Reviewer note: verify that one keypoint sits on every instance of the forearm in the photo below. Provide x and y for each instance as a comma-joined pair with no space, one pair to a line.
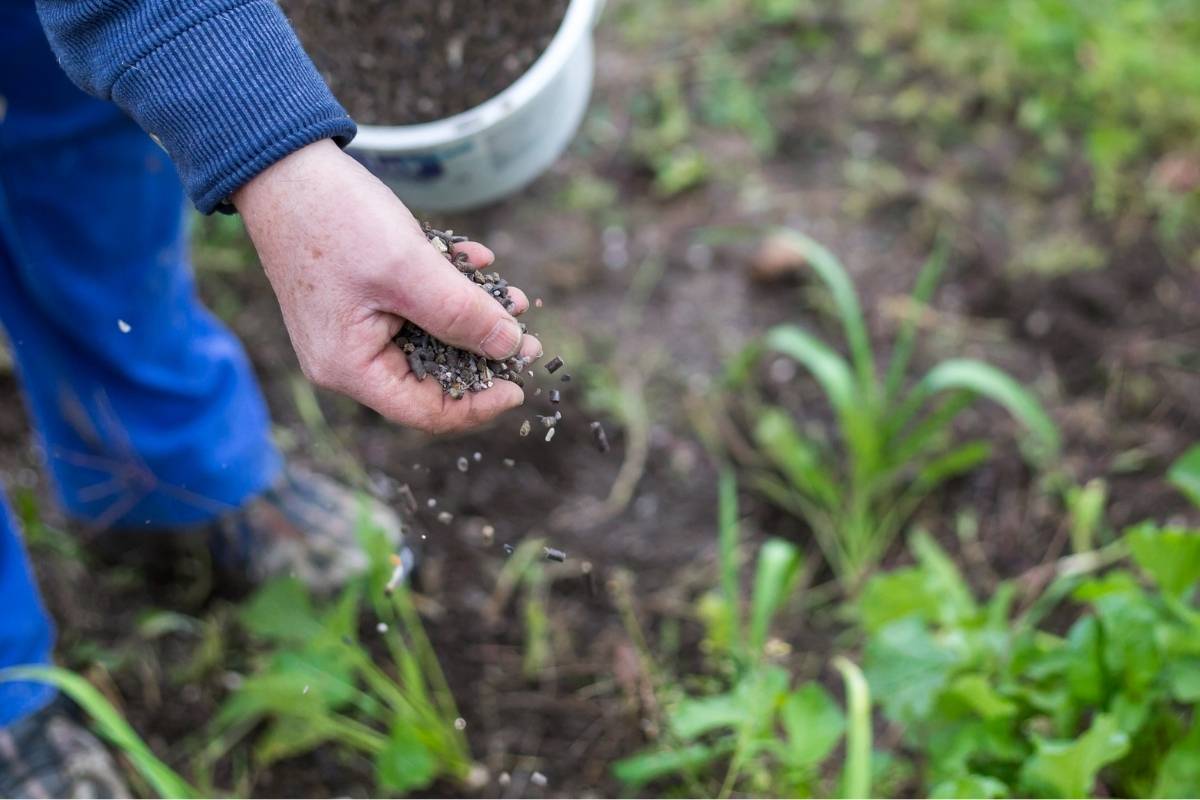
223,85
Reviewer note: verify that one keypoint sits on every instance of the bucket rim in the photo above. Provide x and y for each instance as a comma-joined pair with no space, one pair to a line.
577,23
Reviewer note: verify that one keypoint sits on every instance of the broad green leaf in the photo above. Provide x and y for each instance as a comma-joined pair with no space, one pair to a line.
1179,772
1171,556
405,763
856,772
651,765
798,459
969,786
1086,674
907,668
976,692
695,716
1185,474
774,578
1069,768
284,738
845,299
1183,676
996,385
281,611
814,725
891,596
109,724
944,577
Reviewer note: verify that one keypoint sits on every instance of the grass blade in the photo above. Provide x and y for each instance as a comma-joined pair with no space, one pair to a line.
927,281
778,569
998,386
845,299
727,544
109,724
856,774
799,460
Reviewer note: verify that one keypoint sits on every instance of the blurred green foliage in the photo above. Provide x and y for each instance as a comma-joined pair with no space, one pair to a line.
1118,80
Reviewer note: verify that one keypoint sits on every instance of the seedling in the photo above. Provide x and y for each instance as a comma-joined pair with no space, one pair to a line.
894,444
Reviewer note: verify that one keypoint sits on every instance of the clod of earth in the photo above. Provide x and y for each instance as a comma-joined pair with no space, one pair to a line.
459,371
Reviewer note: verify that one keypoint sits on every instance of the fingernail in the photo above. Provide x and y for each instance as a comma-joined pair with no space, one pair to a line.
504,340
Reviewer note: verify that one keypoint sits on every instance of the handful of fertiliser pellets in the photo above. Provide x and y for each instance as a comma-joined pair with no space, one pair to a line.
459,371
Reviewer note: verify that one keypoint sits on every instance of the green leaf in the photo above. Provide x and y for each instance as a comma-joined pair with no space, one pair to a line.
907,668
728,534
281,611
856,772
1179,772
845,299
798,459
976,692
640,769
109,724
969,786
1086,507
1185,474
829,368
1171,556
996,385
405,763
695,716
289,737
891,596
958,461
1069,768
944,578
813,723
775,577
927,280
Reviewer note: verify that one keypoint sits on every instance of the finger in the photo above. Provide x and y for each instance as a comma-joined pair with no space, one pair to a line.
437,297
519,299
480,256
390,388
531,348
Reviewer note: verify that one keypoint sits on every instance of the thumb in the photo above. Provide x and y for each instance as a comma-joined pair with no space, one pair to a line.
451,307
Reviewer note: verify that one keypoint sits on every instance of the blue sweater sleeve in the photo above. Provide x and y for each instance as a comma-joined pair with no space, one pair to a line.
222,85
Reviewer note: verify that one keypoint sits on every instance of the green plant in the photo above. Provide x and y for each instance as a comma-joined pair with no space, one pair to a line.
761,735
318,683
1115,80
110,725
895,444
996,703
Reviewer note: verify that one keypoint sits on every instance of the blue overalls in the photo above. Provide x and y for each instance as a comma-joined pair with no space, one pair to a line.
146,407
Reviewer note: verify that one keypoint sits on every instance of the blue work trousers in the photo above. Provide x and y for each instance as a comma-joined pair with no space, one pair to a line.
146,409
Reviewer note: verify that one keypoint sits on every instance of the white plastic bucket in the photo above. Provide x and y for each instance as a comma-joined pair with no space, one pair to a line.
494,149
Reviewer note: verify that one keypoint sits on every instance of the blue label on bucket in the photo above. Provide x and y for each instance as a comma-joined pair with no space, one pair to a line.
414,168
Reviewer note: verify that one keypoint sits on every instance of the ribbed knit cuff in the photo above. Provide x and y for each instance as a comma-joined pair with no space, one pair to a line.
228,96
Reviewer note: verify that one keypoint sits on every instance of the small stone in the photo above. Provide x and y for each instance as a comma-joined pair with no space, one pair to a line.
460,724
463,464
445,517
488,533
550,434
478,456
538,779
525,427
510,463
431,502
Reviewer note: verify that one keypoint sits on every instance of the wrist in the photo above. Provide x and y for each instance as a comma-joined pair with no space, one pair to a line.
286,176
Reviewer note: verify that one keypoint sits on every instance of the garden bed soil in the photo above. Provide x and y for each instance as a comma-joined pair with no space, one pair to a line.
402,63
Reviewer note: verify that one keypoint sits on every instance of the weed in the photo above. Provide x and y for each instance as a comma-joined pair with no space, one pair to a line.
895,444
760,735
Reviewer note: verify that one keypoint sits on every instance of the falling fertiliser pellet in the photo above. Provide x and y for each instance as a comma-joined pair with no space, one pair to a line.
445,517
463,464
538,779
555,396
554,554
554,365
382,627
599,437
550,434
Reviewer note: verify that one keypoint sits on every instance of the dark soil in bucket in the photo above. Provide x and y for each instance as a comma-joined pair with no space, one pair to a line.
401,63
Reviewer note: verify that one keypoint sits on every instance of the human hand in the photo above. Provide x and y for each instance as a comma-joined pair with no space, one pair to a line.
349,264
